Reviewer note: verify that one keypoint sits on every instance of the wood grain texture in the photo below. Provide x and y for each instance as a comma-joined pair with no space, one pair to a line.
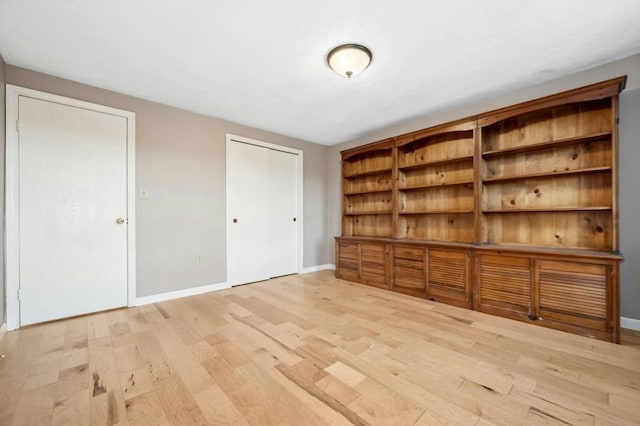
541,175
312,349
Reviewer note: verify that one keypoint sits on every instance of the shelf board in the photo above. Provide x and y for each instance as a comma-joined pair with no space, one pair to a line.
547,144
365,237
548,210
543,175
368,173
463,211
436,163
435,185
368,213
374,191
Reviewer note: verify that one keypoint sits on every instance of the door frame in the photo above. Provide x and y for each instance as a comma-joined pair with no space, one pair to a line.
300,192
12,185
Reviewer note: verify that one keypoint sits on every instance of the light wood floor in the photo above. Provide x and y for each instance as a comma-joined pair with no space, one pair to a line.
311,350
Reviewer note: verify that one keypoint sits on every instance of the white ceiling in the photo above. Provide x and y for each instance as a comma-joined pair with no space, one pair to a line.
262,63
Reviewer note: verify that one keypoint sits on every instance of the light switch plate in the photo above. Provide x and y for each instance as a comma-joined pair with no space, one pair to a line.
144,193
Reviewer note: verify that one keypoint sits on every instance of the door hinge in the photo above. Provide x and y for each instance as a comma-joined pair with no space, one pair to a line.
18,126
19,295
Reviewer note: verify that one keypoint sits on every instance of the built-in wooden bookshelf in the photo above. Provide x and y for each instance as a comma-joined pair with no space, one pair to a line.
512,212
367,186
548,177
436,184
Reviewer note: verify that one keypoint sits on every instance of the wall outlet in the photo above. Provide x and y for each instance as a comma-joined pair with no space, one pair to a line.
199,258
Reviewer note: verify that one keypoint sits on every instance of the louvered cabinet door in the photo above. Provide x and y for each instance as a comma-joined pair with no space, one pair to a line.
373,265
574,293
347,260
448,277
409,270
504,285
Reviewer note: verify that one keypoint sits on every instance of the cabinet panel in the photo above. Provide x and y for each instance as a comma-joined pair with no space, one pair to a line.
409,274
373,265
364,262
504,283
448,276
347,260
573,293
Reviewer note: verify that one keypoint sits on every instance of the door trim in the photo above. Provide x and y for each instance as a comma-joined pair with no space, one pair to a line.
300,196
12,208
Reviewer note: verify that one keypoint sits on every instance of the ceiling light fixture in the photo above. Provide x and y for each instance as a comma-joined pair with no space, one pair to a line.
349,59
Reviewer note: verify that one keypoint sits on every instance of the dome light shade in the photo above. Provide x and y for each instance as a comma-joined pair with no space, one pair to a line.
349,59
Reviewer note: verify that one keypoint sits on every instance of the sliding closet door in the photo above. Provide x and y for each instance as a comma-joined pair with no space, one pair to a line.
247,201
262,209
283,208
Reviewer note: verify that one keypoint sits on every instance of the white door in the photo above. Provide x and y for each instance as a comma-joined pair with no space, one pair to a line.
247,203
283,208
262,213
72,210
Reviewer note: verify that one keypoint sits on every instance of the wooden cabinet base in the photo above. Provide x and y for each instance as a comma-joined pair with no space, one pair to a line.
570,290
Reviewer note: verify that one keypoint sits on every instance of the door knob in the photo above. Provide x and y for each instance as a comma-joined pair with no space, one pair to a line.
294,219
119,221
235,220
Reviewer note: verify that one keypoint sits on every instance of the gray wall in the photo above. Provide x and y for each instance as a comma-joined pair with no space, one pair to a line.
629,193
180,158
629,155
2,136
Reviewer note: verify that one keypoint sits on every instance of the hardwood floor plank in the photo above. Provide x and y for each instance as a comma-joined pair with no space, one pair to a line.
217,408
146,410
74,409
178,403
313,350
35,407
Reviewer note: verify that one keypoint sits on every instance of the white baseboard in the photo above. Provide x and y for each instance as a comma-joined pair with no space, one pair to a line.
3,330
630,323
318,268
146,300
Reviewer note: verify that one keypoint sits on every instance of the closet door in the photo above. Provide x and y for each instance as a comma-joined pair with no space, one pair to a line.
262,209
282,214
247,214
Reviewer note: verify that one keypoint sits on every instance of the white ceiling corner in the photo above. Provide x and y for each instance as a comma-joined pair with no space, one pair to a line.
263,64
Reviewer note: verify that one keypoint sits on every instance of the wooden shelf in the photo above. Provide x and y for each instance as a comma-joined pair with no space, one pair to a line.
368,173
465,211
436,163
365,237
547,144
516,230
551,174
548,210
436,185
373,191
368,213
